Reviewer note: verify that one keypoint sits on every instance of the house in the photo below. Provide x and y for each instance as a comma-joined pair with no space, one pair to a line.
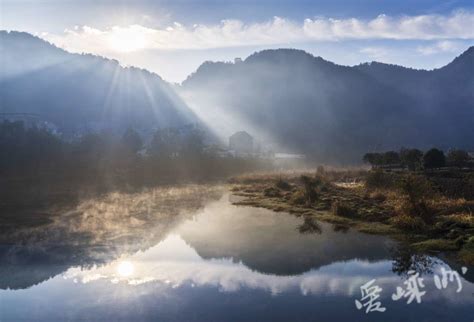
241,143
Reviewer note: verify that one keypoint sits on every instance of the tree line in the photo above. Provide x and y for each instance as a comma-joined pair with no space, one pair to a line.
172,154
414,159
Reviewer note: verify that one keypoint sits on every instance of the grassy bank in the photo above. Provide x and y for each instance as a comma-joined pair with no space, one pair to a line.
419,208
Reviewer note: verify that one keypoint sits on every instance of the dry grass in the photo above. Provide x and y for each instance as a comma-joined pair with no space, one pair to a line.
409,223
333,174
404,204
342,209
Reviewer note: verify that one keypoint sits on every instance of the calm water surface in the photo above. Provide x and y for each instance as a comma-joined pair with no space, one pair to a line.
222,263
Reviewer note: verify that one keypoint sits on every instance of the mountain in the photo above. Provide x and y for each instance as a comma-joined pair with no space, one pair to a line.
287,99
334,113
78,92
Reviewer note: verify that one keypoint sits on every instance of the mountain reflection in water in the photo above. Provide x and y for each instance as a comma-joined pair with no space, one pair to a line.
221,262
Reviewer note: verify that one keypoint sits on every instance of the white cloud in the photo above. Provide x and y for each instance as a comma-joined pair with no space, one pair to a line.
440,47
375,52
175,263
235,33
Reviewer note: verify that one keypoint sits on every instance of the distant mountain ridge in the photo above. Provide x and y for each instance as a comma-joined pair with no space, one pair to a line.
81,92
336,113
287,97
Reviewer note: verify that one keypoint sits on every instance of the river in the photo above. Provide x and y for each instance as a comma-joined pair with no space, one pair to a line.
219,262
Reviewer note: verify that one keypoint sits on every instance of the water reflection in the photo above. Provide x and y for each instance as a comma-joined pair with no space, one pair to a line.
223,262
98,231
272,243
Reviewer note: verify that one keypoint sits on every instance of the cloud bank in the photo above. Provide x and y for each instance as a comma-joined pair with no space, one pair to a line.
458,25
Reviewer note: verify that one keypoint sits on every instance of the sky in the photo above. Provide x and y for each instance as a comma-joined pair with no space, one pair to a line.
172,38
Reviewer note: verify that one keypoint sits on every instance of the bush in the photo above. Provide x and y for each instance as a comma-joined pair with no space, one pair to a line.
418,209
298,198
378,179
310,193
416,188
378,196
271,192
339,208
406,222
320,170
283,185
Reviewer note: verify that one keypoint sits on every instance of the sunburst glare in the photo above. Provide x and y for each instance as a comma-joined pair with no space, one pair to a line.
126,40
125,269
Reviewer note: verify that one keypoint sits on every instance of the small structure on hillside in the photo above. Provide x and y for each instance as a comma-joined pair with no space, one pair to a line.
241,143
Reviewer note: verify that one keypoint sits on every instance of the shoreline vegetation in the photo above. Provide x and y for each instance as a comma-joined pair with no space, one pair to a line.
43,175
424,209
407,193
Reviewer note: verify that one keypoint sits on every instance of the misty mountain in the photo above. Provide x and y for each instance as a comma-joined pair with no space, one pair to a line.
79,92
286,98
306,104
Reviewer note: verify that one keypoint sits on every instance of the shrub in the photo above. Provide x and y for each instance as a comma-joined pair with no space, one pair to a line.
310,226
339,208
418,209
298,198
271,192
378,196
378,179
406,222
320,170
416,188
283,185
310,193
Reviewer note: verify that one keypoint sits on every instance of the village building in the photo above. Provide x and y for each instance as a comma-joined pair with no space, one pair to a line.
241,143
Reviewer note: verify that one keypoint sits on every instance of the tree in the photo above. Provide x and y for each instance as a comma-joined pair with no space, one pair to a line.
416,189
374,159
132,141
192,144
411,158
434,158
457,158
165,143
391,157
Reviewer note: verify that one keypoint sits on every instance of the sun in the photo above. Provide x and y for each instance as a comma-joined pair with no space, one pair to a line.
126,40
125,268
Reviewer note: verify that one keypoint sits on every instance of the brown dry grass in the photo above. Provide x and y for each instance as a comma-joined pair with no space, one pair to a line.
401,207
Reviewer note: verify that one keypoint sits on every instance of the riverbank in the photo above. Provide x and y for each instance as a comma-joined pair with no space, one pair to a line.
25,210
405,206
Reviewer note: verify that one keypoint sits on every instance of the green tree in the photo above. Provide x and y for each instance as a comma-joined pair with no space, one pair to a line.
132,141
434,158
457,158
391,157
411,158
192,144
374,159
165,143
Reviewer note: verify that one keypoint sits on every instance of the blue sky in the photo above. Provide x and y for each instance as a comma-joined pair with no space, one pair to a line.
172,38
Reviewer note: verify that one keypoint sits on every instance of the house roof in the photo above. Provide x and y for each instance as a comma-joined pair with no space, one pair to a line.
241,134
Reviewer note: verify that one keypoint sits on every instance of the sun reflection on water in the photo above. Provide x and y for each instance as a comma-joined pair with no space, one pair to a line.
125,269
